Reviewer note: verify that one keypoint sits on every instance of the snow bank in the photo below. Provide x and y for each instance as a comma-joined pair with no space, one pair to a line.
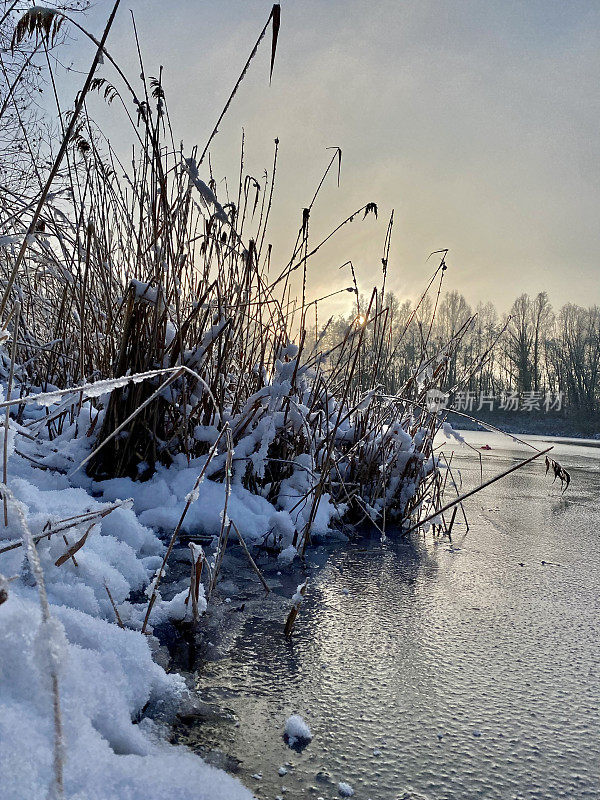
115,699
159,502
107,677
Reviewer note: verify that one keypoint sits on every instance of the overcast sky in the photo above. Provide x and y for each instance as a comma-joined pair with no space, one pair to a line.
476,120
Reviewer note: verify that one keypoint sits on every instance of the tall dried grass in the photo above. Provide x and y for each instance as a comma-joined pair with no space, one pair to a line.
121,271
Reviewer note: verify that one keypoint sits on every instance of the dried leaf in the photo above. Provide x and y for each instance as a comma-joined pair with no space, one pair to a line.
276,17
72,550
41,21
559,472
370,208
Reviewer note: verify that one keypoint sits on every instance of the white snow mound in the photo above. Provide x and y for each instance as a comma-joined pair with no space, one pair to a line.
297,730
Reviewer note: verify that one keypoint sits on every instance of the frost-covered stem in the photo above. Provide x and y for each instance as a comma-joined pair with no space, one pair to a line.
190,499
56,791
225,523
115,609
71,522
132,416
17,314
250,559
93,389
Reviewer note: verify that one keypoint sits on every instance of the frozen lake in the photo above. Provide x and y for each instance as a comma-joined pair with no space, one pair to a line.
435,670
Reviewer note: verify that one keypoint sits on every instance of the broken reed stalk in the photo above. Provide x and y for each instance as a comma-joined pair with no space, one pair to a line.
49,397
250,559
291,618
115,609
225,521
475,490
65,525
198,561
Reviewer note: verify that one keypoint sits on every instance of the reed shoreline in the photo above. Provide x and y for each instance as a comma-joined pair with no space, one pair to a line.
160,384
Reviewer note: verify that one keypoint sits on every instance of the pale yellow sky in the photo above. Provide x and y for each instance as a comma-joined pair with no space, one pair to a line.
477,120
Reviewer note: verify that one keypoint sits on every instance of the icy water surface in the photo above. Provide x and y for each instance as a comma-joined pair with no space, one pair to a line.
464,670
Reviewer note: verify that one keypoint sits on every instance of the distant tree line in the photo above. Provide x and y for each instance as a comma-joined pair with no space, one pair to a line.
532,352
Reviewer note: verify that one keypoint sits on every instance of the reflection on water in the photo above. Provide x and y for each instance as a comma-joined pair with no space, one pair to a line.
463,670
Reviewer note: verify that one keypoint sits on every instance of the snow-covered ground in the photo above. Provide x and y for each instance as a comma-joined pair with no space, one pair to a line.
115,701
